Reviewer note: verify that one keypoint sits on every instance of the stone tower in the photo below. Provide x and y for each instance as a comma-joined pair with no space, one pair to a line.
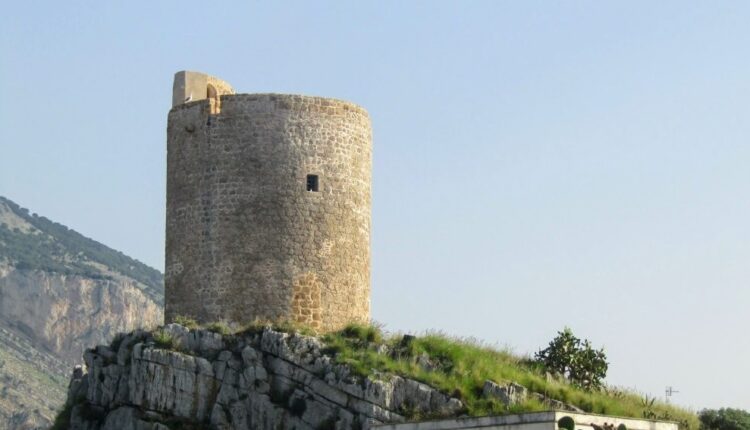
268,206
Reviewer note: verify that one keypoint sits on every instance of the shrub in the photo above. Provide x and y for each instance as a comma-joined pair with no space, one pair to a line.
574,359
725,419
219,327
164,339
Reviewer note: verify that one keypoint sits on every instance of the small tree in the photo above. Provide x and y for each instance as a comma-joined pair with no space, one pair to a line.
725,419
575,360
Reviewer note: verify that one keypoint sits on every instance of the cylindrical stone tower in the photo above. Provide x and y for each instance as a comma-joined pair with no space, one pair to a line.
268,207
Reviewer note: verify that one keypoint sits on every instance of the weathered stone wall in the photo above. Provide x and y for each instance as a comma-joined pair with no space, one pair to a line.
245,239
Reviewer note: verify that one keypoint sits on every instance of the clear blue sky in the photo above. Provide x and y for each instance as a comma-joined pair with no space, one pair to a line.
536,164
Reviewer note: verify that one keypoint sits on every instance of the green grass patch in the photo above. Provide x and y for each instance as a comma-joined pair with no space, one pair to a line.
220,327
460,367
186,322
164,339
257,327
254,327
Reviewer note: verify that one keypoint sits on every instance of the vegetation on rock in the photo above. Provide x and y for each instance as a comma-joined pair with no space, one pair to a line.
164,340
458,368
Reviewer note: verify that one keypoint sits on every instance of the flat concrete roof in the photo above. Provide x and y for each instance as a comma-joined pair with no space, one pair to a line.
533,421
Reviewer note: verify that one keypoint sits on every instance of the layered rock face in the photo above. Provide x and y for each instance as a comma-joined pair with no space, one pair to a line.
46,322
60,292
263,380
62,313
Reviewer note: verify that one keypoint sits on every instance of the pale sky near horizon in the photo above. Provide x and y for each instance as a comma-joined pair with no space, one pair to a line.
536,164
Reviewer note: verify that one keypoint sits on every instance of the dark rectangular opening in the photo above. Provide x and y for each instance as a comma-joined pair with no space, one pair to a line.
312,182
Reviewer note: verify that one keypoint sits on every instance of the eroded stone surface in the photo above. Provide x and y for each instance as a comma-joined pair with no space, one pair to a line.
260,381
511,394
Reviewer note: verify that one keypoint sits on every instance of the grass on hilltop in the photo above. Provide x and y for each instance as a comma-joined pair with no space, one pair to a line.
460,367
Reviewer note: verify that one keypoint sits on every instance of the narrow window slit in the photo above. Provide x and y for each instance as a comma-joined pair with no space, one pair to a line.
312,183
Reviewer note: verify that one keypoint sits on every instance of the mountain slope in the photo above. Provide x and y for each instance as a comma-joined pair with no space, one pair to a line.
33,242
31,382
60,293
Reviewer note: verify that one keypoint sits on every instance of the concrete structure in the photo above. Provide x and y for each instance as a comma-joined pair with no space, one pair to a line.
535,421
268,207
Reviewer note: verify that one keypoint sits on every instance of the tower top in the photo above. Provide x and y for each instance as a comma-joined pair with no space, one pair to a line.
191,86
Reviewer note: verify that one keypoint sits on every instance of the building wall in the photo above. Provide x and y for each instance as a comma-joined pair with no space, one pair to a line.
531,421
245,239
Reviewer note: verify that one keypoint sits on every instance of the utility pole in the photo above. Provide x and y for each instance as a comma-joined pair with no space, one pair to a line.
669,392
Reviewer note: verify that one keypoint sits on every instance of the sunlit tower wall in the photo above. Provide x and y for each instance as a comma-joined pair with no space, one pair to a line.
268,207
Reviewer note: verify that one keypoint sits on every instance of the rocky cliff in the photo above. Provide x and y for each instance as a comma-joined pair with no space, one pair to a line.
60,293
62,314
265,379
357,378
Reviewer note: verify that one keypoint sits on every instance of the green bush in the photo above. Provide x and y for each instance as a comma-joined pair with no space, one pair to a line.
574,359
165,340
725,419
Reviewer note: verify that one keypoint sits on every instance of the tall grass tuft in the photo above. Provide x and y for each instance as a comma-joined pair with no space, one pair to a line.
186,322
164,339
220,327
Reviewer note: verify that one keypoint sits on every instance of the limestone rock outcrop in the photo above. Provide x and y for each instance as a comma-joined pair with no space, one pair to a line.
46,321
60,292
63,313
512,394
261,380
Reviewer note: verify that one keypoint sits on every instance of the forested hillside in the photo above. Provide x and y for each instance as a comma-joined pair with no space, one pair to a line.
33,242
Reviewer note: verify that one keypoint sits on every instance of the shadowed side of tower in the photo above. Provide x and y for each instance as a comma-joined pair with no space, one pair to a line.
268,207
